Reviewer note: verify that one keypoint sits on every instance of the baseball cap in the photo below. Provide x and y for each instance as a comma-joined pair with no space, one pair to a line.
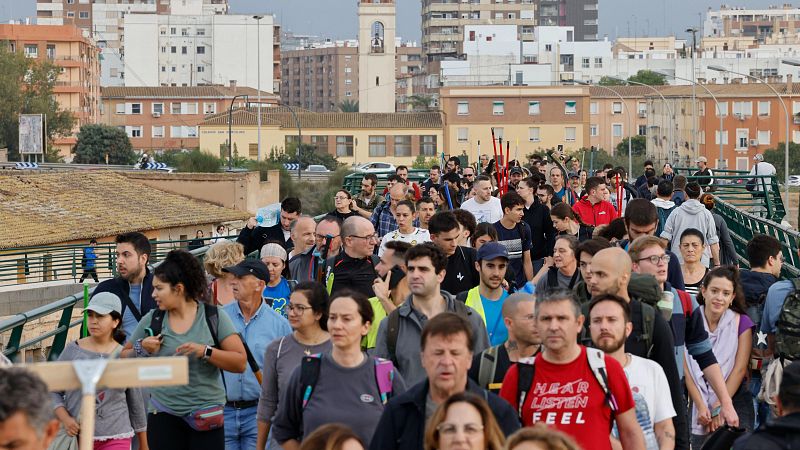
759,157
105,302
273,249
249,267
517,170
574,175
701,159
492,250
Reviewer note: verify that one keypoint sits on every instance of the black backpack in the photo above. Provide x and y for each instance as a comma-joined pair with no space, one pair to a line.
393,327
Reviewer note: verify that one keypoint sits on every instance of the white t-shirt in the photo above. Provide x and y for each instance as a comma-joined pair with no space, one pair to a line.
764,168
650,393
418,236
489,212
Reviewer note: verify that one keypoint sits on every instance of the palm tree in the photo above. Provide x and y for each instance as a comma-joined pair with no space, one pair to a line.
348,106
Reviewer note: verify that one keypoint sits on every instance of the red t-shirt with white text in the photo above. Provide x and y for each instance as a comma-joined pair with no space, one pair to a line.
569,398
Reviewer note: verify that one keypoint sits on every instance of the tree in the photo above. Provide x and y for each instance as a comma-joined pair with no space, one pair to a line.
421,102
608,81
348,106
26,87
424,163
775,156
308,155
97,141
649,78
638,146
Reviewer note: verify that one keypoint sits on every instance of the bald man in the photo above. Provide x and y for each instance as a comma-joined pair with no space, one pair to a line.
354,266
611,272
302,233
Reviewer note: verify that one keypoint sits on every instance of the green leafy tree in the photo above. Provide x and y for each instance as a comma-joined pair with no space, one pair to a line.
421,102
775,156
26,87
97,141
348,106
424,163
648,77
308,155
638,146
608,81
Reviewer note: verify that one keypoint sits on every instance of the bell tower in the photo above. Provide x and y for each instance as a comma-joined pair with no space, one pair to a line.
376,53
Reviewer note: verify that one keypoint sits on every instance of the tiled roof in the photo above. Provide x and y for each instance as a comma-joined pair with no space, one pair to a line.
183,92
427,120
731,90
624,91
54,207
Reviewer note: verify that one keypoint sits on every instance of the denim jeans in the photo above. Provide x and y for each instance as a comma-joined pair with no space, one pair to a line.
743,405
762,412
241,430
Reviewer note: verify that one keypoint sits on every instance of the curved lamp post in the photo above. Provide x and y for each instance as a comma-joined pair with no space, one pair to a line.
627,112
669,108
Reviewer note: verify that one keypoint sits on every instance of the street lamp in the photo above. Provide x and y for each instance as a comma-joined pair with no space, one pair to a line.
258,81
785,112
669,108
230,132
694,93
716,102
627,112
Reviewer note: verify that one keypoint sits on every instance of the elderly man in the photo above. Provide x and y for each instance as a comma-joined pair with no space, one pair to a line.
327,242
26,411
258,325
354,267
302,233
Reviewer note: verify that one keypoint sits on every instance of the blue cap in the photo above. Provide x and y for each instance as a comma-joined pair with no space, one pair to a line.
492,250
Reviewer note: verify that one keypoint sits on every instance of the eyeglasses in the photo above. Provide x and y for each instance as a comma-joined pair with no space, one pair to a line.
449,430
372,237
469,175
340,197
321,237
300,309
655,259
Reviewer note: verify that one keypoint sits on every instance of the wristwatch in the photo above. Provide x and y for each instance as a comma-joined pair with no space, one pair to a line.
139,350
207,353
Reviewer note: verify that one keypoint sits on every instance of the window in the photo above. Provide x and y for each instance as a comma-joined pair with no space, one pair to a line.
585,63
163,49
570,107
320,144
723,106
173,49
569,134
209,108
201,50
252,150
742,109
402,146
741,163
642,107
51,51
344,145
158,131
616,108
724,137
83,14
70,13
348,94
498,108
742,137
499,133
136,108
31,51
534,108
533,134
463,108
594,108
642,130
348,81
427,145
173,30
176,108
120,108
763,108
183,50
184,31
616,130
592,130
133,132
463,134
201,69
763,137
201,31
183,132
377,146
598,63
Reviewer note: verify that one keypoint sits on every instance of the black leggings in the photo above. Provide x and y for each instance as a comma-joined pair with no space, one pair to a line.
168,432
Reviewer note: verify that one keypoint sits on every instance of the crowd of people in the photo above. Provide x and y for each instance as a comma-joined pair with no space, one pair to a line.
547,308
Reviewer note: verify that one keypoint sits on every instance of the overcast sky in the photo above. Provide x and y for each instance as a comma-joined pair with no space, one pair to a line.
337,18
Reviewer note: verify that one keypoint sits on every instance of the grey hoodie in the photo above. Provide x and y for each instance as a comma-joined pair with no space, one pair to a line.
661,203
691,214
407,353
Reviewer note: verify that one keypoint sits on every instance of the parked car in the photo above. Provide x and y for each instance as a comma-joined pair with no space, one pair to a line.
316,168
794,180
375,167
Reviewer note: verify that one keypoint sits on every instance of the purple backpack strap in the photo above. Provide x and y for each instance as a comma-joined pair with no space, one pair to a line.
384,374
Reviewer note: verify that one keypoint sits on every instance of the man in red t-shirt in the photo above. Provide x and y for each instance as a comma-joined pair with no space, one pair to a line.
565,393
593,209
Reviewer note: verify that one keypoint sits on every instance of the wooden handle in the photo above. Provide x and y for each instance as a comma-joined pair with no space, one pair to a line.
86,436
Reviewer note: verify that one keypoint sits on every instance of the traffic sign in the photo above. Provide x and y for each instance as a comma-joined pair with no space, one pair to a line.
291,166
26,165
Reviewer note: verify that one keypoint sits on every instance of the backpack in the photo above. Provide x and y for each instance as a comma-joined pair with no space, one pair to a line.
663,214
787,338
393,326
597,362
212,320
488,366
552,278
309,374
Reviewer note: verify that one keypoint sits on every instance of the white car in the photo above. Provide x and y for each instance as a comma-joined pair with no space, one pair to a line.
794,180
316,168
375,167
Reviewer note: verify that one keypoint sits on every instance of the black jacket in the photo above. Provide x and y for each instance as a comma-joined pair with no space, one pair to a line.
351,273
121,288
754,285
543,234
254,239
402,424
779,433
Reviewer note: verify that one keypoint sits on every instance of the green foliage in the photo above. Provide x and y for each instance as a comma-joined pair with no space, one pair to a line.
638,146
97,141
424,163
648,77
348,106
26,87
421,102
775,156
607,81
192,161
308,155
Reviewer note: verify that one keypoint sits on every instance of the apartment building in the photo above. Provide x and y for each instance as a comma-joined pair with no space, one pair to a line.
612,119
162,118
104,20
760,23
195,50
77,88
354,138
582,15
530,118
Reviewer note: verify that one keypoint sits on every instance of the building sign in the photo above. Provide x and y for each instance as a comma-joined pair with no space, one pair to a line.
31,134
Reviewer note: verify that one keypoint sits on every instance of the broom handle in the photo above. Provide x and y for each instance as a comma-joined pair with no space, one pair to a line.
86,436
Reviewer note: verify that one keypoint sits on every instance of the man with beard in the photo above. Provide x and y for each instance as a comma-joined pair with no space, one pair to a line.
488,296
327,242
134,281
610,325
367,200
253,237
491,365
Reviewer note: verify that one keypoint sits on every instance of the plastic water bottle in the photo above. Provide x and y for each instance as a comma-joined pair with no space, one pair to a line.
665,305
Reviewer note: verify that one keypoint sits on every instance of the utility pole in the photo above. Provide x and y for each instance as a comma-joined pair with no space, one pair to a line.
694,91
258,82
